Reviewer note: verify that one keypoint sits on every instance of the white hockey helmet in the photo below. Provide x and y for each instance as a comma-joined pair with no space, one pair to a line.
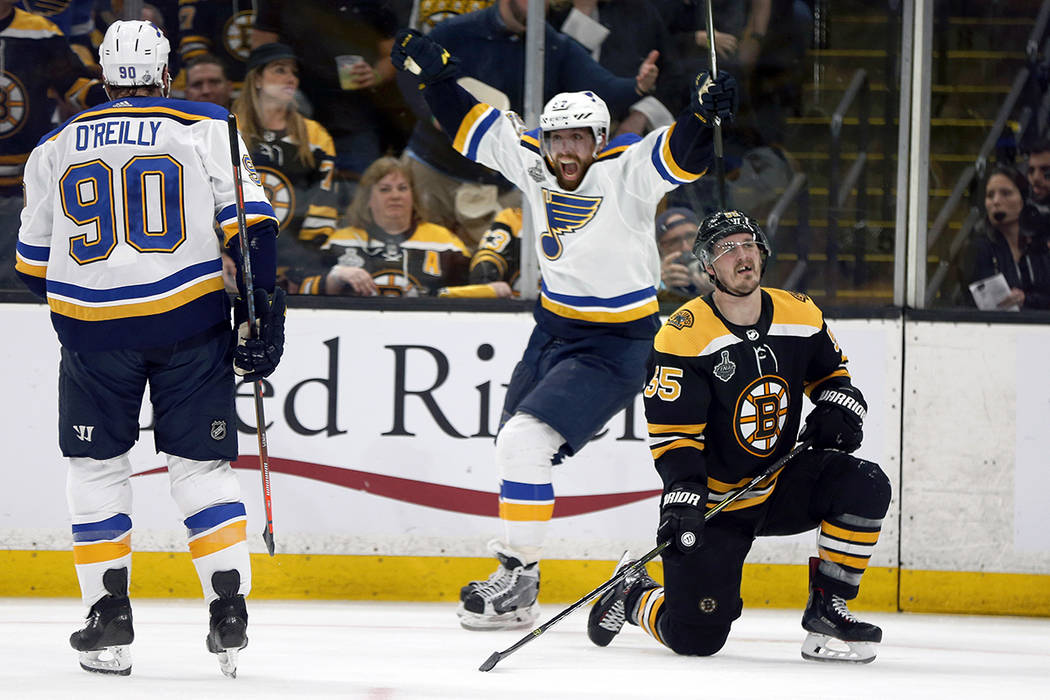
575,110
134,52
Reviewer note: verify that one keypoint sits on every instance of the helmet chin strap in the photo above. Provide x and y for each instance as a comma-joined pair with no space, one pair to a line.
725,290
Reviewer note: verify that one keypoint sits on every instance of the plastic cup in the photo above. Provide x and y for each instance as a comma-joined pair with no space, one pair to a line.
344,65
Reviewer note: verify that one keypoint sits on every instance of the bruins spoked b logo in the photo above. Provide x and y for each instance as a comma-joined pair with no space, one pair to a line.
761,411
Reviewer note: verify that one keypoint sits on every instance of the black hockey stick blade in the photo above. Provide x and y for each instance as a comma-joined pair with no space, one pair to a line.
772,469
491,662
268,539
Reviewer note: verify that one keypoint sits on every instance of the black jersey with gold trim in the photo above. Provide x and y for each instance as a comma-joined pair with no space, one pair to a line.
724,401
219,27
302,195
498,257
35,57
417,263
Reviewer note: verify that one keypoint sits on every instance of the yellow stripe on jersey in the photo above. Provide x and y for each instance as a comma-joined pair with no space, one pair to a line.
231,229
669,162
467,125
692,330
718,491
662,428
319,138
633,314
488,256
659,450
31,270
144,308
132,111
810,386
794,309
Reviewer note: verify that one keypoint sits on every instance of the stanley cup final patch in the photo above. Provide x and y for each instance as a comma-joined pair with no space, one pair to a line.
218,429
725,369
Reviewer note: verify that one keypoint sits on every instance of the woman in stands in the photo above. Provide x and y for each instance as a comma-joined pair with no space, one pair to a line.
294,158
387,250
1003,245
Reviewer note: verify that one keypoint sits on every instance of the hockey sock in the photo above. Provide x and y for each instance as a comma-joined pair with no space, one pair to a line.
217,542
845,544
525,449
98,547
648,611
526,510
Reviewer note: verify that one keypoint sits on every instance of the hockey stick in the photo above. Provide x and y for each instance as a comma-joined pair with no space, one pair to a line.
249,293
498,656
720,162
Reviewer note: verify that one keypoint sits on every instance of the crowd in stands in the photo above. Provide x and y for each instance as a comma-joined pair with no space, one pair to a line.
339,140
372,197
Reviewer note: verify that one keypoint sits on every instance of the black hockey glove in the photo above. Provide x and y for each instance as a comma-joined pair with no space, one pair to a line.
711,98
424,57
255,358
837,421
682,516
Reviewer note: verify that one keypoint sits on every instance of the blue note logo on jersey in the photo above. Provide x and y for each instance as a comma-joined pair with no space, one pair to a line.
566,213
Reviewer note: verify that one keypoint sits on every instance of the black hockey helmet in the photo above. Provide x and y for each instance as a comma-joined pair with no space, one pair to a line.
724,223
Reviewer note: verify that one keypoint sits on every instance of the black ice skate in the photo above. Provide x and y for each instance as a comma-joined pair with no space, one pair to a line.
228,627
834,633
104,641
610,612
506,600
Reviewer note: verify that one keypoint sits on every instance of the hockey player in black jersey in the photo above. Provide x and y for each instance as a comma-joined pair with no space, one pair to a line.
728,372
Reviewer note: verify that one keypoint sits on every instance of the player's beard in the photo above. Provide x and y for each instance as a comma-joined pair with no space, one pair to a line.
570,185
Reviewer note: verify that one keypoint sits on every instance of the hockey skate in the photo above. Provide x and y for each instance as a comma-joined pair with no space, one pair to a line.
104,641
506,600
609,614
834,633
228,627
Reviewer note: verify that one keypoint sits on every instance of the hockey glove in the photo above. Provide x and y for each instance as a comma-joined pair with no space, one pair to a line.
256,358
682,516
713,98
837,420
424,57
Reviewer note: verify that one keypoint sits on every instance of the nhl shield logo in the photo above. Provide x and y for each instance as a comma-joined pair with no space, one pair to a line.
218,429
725,369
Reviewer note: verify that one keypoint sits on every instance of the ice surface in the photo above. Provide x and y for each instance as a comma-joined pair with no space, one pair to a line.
417,650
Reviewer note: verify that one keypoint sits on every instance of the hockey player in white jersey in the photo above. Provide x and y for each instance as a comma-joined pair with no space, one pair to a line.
118,236
594,201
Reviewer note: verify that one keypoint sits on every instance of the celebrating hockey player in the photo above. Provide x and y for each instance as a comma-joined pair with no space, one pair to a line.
117,234
724,400
593,201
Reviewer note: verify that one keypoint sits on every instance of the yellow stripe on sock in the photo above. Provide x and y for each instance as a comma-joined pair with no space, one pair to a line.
849,535
102,551
844,559
220,539
520,512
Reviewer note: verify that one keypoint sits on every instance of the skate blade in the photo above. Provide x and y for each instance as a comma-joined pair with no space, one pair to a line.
115,660
821,647
228,662
516,619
